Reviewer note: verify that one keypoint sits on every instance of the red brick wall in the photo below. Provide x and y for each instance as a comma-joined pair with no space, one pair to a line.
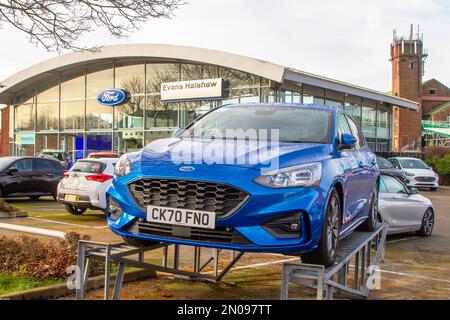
4,133
406,83
441,115
441,90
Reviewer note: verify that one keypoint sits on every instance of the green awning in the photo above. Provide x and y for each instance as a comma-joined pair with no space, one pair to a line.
440,128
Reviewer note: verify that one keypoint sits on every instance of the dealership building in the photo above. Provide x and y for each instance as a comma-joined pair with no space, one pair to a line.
68,102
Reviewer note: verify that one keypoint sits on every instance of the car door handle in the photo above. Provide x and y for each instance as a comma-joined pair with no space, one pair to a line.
50,175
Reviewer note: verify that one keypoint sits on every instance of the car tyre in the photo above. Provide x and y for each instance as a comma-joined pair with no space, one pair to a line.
75,210
427,224
34,198
138,242
433,189
370,224
326,252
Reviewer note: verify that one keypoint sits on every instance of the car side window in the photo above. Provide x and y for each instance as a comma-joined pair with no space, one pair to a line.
343,126
396,163
25,165
356,132
45,165
392,185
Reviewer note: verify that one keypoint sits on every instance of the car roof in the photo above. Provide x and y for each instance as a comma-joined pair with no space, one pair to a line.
280,104
405,158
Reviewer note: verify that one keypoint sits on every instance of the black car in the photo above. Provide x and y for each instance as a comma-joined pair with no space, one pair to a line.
29,177
388,168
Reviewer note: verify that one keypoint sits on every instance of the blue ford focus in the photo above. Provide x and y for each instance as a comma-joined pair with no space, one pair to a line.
281,178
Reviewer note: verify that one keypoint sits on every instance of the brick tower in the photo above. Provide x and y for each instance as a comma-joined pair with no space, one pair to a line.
407,57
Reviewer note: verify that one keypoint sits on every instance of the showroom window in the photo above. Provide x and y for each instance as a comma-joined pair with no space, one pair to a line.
72,115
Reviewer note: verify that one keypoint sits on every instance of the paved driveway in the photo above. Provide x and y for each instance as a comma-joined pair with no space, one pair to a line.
414,267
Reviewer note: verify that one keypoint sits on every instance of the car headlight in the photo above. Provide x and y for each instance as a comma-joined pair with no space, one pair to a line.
409,174
123,166
306,175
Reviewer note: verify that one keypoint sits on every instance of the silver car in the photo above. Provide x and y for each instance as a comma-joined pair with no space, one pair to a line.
404,208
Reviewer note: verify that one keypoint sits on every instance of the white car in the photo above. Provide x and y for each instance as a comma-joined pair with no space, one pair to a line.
418,173
84,185
404,208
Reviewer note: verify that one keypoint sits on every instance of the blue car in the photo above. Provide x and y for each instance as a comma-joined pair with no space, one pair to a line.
279,178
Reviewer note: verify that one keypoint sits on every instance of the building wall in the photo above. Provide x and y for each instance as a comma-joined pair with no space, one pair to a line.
4,132
442,115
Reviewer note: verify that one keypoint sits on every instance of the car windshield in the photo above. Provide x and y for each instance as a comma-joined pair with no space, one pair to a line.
413,164
88,167
294,124
384,164
57,155
4,163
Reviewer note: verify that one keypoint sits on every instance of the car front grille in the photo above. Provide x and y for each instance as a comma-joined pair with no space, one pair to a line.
186,194
221,235
425,179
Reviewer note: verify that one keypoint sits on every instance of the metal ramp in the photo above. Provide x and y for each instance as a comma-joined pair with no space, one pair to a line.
360,251
124,255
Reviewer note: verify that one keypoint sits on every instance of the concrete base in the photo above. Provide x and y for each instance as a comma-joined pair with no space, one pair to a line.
17,214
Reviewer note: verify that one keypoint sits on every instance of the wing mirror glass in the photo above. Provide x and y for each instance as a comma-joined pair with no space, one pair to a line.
348,141
177,132
413,190
12,170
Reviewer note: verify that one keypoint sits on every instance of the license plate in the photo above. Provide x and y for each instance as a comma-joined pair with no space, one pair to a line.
182,217
71,197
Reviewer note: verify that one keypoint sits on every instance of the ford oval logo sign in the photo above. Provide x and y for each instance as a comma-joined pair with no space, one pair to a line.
187,169
112,97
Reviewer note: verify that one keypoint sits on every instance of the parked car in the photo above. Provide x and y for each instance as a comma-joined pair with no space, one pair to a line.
325,187
84,186
404,208
29,177
418,173
388,168
59,155
98,155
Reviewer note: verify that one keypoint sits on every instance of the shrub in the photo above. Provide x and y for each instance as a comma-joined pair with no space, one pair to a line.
5,207
435,152
43,260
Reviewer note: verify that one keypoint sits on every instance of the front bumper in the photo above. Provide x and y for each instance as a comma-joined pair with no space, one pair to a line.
412,182
249,221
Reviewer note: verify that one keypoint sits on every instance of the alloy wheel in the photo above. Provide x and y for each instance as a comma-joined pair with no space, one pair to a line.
428,222
333,226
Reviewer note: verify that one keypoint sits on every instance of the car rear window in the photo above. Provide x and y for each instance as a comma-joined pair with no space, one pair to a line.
88,167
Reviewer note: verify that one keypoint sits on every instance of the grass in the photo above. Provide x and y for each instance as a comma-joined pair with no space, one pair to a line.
15,282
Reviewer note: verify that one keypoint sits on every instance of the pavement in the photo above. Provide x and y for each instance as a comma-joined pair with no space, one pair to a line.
413,268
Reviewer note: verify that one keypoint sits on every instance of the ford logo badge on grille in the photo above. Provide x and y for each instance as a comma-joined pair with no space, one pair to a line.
112,97
187,169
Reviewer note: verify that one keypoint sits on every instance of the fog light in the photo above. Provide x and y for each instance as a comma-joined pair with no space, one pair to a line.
114,209
294,226
286,227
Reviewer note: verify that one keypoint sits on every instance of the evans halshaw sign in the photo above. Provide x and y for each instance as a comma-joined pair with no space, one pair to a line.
192,90
112,97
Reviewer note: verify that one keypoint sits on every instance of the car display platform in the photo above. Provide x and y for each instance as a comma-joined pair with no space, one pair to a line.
360,251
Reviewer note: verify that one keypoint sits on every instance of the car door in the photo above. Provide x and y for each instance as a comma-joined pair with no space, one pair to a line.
398,207
45,176
350,164
363,185
22,181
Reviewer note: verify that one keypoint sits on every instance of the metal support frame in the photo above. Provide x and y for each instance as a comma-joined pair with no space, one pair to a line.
121,254
356,248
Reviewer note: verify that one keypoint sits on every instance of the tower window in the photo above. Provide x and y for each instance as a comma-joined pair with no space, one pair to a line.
411,65
433,91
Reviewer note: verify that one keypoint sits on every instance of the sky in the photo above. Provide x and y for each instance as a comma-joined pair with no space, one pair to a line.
347,40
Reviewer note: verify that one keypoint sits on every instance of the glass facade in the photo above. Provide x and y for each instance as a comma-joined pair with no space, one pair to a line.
64,114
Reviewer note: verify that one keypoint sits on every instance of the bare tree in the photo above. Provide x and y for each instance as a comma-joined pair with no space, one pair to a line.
58,24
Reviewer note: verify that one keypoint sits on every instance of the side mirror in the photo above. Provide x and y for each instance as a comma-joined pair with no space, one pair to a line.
177,132
413,190
12,170
347,142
